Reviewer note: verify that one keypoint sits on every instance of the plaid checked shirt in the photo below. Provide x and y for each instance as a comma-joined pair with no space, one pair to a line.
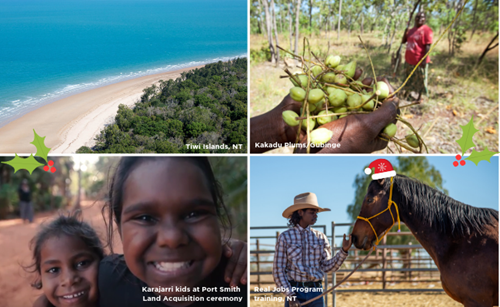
303,254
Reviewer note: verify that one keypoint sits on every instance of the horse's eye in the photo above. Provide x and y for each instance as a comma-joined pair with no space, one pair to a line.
370,200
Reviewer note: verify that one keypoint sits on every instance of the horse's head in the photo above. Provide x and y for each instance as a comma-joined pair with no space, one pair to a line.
375,202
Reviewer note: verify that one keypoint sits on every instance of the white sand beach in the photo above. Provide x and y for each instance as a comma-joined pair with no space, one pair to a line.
74,121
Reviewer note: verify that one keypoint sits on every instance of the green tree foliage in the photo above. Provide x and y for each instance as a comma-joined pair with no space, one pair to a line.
204,106
415,167
231,172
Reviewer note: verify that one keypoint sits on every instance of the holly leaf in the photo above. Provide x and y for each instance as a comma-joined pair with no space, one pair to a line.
42,151
477,156
465,141
28,164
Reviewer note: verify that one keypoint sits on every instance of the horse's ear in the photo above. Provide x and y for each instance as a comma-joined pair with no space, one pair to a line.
381,181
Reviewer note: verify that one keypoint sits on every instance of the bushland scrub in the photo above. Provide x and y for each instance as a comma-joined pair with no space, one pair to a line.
205,106
457,89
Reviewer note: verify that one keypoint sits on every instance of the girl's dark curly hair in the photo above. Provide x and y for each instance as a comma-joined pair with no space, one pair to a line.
69,224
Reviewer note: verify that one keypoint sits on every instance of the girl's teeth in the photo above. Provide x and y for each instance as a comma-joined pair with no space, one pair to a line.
74,295
171,266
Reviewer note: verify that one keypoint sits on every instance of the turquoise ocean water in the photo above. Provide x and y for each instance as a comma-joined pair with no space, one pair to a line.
55,48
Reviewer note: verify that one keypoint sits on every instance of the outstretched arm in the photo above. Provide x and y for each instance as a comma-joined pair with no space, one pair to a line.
329,263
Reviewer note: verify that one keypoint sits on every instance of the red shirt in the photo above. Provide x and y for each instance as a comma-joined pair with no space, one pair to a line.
416,39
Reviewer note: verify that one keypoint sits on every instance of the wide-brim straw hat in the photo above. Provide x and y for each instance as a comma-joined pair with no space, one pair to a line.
303,201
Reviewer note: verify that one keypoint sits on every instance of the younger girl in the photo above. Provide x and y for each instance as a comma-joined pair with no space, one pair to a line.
66,255
169,214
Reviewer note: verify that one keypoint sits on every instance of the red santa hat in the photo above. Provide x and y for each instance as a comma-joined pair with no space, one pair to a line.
383,169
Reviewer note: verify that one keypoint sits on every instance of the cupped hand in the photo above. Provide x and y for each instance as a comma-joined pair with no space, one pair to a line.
358,133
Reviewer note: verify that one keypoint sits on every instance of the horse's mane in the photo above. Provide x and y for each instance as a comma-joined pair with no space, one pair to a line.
440,211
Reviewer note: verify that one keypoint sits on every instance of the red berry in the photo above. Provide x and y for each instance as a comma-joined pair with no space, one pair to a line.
51,163
455,164
458,157
462,162
46,168
53,170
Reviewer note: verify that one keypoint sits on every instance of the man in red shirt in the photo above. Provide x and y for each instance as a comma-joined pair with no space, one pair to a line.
419,40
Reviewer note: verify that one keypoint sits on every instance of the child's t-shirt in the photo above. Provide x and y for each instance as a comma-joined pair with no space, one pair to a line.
119,287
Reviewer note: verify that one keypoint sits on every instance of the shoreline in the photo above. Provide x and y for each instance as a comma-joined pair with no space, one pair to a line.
74,121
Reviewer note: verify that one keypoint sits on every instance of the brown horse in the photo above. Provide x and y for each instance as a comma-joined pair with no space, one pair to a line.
461,239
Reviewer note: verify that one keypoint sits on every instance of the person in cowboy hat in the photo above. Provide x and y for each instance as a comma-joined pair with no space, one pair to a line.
303,254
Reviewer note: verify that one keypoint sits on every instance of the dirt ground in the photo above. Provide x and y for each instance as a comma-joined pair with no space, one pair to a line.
357,299
15,289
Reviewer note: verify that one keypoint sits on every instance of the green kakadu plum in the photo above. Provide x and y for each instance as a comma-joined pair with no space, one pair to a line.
312,124
354,100
412,140
315,95
329,77
329,89
340,79
369,106
350,69
340,110
332,61
316,70
321,136
303,80
320,105
383,88
337,97
289,117
297,94
341,116
326,119
390,130
312,108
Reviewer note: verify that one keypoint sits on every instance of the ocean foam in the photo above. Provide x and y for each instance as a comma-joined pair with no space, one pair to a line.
19,107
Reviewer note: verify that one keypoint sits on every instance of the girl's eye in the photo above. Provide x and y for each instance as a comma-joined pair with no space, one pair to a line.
83,264
196,214
52,270
144,218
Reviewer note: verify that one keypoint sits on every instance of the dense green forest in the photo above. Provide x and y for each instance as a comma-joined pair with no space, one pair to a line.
203,111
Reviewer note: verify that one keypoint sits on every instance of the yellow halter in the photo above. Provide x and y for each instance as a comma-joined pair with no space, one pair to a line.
390,202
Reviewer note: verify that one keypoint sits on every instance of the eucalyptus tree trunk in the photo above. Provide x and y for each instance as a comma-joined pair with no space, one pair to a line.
340,15
282,21
277,54
349,27
385,29
261,24
290,16
392,36
362,21
297,27
269,31
310,15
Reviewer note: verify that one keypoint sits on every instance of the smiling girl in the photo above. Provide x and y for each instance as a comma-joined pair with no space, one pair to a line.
66,254
170,216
